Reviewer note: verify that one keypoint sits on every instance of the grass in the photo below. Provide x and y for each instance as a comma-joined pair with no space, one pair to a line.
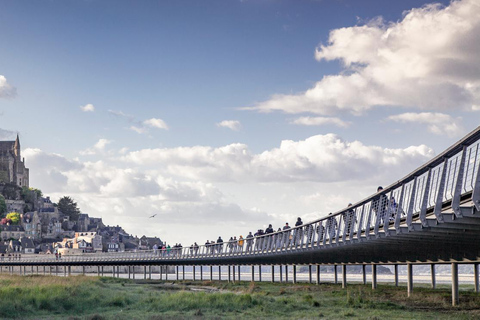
80,297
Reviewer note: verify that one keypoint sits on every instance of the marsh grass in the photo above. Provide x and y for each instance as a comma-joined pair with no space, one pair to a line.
80,297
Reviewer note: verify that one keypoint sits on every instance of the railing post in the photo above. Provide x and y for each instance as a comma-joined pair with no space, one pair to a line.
409,279
344,276
458,186
432,273
398,214
360,221
374,276
423,210
411,205
441,188
476,187
455,298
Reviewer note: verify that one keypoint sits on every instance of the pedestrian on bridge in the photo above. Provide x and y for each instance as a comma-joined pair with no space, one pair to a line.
249,241
240,244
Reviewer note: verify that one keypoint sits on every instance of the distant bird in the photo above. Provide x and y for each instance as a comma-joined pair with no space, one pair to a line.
153,216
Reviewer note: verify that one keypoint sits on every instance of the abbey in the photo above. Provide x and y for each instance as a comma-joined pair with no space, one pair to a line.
12,166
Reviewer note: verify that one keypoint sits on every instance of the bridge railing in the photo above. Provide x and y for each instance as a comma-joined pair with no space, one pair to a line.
449,179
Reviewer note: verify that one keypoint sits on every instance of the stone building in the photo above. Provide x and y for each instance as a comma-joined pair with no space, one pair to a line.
12,166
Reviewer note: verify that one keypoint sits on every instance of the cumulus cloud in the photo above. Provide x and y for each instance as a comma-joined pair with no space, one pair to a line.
156,123
437,123
321,121
428,60
97,147
6,90
87,108
321,158
230,124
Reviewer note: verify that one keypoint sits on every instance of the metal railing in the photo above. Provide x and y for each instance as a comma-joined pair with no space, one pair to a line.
447,180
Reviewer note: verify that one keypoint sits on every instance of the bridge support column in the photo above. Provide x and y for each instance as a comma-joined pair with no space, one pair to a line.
238,273
83,270
374,276
260,273
113,271
253,273
286,273
281,274
336,274
69,271
201,273
183,272
160,273
294,271
56,270
102,272
64,271
273,273
149,272
395,269
454,284
37,269
50,270
475,275
309,273
409,279
166,273
344,276
318,274
219,272
118,272
144,272
128,272
229,274
177,272
133,272
193,273
44,271
233,273
211,273
432,272
364,271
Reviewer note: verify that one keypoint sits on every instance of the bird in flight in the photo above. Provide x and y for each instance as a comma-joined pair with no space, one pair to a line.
153,216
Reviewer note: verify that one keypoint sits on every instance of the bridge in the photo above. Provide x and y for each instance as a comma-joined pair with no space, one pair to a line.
431,216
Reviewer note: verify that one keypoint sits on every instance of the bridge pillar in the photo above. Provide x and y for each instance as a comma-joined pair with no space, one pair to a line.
183,272
193,273
177,272
364,271
454,284
253,273
118,271
37,269
144,272
98,271
160,273
309,273
395,269
374,276
201,273
238,273
336,274
69,271
286,273
318,274
260,273
229,274
294,271
409,279
44,271
128,271
102,272
432,272
50,270
344,276
475,275
166,273
219,273
56,270
64,271
83,270
273,273
211,273
281,274
233,273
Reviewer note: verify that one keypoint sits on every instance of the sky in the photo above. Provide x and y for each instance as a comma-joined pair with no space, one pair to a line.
221,117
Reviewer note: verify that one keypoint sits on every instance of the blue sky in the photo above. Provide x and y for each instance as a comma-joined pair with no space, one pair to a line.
161,76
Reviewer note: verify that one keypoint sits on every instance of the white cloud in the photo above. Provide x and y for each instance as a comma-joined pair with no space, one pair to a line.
428,60
156,123
230,124
321,158
320,121
87,108
6,90
437,123
139,130
97,147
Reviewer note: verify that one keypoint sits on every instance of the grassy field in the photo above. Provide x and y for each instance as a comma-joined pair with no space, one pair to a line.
80,297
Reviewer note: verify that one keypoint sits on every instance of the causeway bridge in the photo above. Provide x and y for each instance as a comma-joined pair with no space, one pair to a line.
431,216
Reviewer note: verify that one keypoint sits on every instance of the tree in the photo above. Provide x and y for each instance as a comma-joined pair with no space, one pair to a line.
69,207
14,217
3,205
29,193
